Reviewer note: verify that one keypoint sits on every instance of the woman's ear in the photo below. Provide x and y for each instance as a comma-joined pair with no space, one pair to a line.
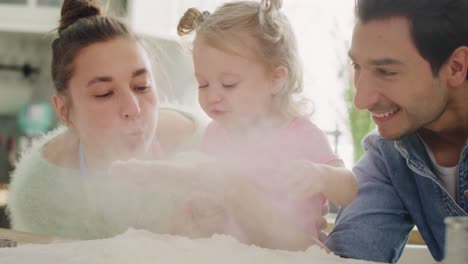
457,67
61,108
279,76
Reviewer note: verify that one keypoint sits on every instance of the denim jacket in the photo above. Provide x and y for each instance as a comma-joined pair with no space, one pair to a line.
397,190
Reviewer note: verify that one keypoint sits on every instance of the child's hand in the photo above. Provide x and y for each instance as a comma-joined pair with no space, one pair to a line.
302,178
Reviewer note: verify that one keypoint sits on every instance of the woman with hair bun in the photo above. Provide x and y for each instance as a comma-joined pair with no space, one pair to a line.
105,95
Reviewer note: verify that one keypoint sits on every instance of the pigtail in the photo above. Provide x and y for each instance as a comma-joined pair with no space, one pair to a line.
270,5
190,21
270,19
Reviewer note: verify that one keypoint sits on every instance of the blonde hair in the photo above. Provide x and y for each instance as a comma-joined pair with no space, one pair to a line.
272,32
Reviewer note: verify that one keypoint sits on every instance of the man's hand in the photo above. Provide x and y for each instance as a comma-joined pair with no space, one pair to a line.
322,224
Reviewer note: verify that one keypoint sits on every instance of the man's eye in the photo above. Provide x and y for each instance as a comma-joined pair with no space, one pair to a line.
355,66
384,72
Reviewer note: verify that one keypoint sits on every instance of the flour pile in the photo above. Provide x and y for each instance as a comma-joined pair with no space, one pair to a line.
141,247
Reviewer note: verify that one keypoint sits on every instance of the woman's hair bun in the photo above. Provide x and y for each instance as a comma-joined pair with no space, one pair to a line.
72,10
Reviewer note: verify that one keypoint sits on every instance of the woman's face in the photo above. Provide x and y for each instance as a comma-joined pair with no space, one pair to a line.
114,103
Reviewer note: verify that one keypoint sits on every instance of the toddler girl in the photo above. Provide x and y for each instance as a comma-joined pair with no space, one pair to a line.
250,77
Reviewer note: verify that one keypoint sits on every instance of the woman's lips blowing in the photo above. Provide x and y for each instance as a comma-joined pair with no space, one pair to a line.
135,135
217,112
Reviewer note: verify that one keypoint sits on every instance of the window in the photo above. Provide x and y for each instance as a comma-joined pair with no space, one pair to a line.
323,30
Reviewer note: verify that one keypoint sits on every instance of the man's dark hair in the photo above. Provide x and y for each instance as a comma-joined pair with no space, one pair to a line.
438,27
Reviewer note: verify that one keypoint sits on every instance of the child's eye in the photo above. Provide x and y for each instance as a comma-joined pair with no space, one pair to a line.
202,85
104,95
225,85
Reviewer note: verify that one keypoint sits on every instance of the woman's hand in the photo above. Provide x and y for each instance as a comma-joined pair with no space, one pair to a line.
144,171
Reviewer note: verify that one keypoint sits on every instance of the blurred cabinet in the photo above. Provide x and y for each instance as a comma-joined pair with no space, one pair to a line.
29,15
14,2
41,16
56,3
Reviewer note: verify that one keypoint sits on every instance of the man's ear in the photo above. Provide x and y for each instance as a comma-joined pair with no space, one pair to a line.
61,108
279,76
457,67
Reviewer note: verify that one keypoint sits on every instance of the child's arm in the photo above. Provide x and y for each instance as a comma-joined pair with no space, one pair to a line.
336,182
340,184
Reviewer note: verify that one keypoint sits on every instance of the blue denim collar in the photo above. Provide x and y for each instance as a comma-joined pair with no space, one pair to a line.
419,162
417,159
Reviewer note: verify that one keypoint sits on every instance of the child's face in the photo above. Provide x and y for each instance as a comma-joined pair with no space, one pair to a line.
114,100
234,90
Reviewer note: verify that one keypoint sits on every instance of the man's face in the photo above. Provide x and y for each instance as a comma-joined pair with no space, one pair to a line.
392,80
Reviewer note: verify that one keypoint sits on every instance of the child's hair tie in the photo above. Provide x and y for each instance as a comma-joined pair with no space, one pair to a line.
270,5
204,15
265,4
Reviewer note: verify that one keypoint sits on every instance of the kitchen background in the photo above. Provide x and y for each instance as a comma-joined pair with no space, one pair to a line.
26,31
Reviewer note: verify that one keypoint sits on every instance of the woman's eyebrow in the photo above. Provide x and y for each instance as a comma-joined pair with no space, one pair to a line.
99,79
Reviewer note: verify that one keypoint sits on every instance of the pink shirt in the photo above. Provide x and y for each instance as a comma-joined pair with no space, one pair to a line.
300,139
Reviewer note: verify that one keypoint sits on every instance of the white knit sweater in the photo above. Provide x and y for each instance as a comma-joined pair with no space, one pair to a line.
45,198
